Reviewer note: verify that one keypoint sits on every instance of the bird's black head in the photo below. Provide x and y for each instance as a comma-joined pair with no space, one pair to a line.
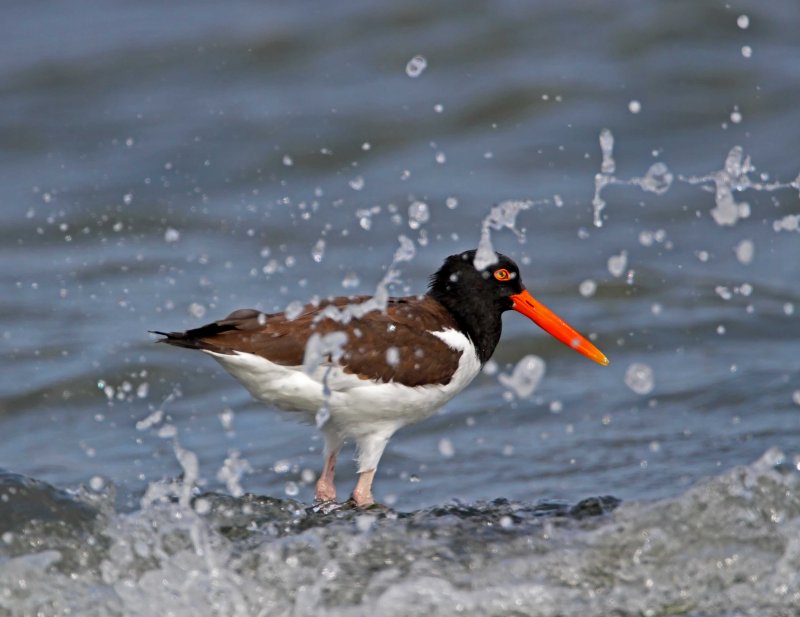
492,287
478,297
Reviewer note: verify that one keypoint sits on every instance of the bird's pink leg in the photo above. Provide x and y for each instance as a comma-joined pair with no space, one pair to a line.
362,493
326,489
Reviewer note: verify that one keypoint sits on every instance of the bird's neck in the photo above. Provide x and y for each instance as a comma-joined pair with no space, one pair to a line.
481,323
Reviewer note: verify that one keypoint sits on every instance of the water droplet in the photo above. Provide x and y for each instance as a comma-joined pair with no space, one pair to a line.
291,489
451,202
281,466
287,160
747,51
293,310
743,21
526,376
790,222
418,214
151,420
392,356
226,417
634,107
446,448
618,263
658,179
167,431
416,66
318,250
608,165
350,280
745,251
197,310
723,292
202,506
639,378
587,288
171,235
96,483
357,183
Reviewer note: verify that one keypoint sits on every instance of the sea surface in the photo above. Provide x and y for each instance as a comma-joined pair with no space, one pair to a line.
164,163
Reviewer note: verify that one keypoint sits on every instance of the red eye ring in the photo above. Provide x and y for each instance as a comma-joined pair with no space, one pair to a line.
502,274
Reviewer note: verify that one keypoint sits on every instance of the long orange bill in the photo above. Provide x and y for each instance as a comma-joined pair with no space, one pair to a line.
551,323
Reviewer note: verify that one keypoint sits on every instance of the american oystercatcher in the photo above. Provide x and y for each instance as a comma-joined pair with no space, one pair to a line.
395,366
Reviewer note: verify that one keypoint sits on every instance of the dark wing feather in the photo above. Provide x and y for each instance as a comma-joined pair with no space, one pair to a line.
406,325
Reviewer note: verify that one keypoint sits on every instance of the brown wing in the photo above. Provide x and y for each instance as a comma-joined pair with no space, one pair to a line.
420,357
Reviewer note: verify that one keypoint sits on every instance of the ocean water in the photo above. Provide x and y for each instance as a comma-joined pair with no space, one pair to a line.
164,164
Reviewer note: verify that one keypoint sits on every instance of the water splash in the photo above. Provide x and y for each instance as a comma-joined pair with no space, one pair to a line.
260,555
501,216
323,349
233,469
734,177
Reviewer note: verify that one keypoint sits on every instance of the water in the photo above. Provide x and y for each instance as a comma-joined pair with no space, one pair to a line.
163,166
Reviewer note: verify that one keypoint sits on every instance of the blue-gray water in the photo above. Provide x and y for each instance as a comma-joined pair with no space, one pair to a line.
162,164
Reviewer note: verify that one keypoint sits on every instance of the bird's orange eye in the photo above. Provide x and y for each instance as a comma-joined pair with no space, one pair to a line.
502,274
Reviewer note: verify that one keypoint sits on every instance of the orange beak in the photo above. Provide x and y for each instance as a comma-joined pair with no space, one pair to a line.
551,323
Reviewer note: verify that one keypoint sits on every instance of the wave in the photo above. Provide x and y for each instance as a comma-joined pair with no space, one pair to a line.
729,545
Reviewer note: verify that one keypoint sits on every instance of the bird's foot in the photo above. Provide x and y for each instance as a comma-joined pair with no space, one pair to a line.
325,491
362,493
373,507
361,500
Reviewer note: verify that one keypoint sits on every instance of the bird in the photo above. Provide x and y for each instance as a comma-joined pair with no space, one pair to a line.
390,364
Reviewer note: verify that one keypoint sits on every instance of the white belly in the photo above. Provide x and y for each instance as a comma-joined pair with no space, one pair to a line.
357,406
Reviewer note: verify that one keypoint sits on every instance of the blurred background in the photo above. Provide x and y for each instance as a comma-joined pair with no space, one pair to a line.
162,164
